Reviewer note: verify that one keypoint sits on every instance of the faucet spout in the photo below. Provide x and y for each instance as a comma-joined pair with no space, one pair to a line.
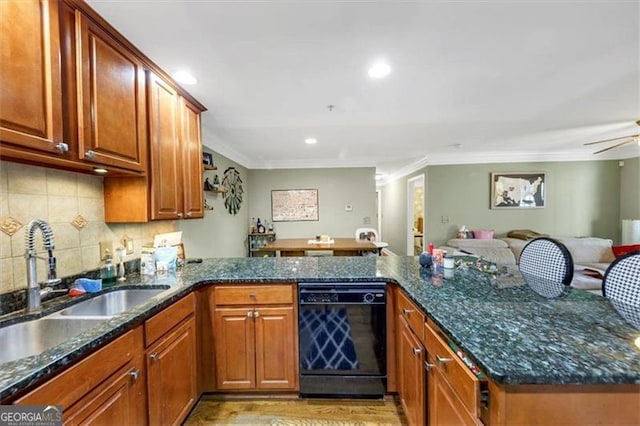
33,290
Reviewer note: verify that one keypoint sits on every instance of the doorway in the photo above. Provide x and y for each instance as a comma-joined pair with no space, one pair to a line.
415,215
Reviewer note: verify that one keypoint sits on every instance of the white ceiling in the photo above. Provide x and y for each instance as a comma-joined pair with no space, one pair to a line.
471,81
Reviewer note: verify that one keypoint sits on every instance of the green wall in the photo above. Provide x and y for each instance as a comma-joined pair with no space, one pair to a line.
583,199
218,234
336,187
630,188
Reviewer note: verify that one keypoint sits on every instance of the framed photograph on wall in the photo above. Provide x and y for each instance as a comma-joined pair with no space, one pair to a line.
207,159
518,190
293,205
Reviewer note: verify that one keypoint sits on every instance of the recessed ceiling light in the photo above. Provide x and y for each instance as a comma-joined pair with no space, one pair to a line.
184,77
311,141
379,70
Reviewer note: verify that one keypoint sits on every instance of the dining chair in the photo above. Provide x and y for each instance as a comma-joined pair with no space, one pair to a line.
621,285
370,234
547,267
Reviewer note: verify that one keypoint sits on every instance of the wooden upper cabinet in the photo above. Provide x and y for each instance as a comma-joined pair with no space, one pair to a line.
166,164
30,106
191,142
111,100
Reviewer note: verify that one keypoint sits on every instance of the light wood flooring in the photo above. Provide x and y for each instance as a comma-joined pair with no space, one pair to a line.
297,412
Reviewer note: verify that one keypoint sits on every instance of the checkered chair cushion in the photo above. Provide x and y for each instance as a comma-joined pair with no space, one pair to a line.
621,281
547,267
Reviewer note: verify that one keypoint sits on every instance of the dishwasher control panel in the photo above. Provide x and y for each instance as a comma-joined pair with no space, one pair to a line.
326,295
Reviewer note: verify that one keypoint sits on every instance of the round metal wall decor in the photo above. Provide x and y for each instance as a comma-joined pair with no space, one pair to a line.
232,183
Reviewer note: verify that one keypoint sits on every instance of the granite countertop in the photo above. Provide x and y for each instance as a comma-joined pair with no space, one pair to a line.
512,334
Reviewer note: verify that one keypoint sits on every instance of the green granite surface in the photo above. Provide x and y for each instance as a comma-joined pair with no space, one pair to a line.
512,334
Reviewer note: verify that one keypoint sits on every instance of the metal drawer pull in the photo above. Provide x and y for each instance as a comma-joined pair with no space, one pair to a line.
407,311
62,147
416,351
90,154
250,314
443,360
134,374
256,314
154,356
428,366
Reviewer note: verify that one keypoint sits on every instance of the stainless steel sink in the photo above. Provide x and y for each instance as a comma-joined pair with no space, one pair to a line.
36,336
110,304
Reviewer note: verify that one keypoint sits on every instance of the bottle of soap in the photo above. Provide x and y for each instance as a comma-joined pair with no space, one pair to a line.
108,271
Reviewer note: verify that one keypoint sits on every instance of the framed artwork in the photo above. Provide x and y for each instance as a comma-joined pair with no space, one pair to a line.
518,190
207,158
293,205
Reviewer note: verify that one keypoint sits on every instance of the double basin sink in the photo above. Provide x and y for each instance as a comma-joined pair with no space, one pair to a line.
36,336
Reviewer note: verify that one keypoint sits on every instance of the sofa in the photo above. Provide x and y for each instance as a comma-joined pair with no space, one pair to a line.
588,253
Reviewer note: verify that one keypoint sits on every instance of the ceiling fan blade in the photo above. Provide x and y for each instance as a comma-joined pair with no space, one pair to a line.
612,139
615,146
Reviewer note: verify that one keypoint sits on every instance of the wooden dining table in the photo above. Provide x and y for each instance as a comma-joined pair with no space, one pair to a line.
287,247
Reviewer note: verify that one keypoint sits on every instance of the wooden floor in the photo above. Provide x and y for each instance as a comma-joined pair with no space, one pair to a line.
211,411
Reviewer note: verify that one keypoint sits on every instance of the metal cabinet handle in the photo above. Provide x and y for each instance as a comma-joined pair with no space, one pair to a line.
154,356
250,314
188,214
407,311
443,360
252,296
134,374
256,314
428,366
90,154
62,147
179,214
416,351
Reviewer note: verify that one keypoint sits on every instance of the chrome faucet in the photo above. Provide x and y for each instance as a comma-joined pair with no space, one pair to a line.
33,289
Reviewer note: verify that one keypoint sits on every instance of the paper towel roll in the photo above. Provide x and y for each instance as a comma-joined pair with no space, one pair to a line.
630,231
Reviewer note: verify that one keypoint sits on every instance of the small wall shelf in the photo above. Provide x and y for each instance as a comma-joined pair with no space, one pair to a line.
216,191
207,167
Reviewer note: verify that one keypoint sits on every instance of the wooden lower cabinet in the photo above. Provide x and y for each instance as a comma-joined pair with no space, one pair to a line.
107,387
255,338
411,386
113,402
444,406
171,375
171,362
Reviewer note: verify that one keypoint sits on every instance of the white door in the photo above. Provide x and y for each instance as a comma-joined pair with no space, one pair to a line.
415,215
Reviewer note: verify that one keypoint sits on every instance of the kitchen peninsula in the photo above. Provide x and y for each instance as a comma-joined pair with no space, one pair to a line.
575,351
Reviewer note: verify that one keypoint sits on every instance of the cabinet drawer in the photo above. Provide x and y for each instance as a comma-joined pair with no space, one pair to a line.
461,380
161,323
412,314
249,295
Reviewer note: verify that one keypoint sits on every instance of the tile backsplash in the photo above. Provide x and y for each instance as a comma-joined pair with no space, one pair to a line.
59,197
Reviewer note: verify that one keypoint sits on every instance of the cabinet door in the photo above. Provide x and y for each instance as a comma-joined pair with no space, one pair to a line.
411,374
30,94
166,158
191,146
116,401
235,348
111,100
444,406
171,375
276,361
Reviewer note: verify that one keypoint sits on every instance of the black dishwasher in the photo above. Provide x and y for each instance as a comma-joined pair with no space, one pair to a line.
342,338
